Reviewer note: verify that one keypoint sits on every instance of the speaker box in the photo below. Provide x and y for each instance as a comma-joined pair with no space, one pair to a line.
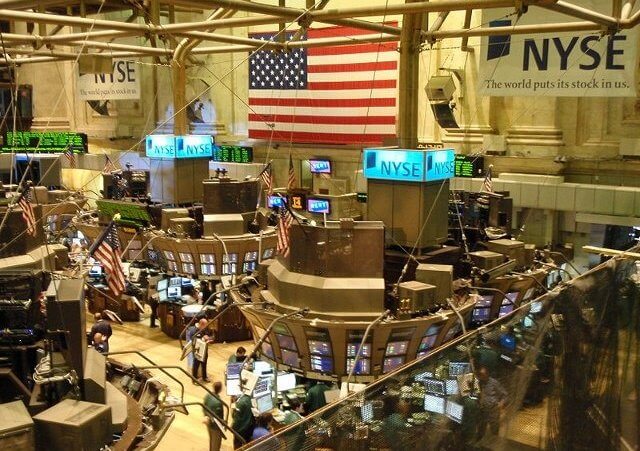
94,379
444,115
66,313
72,424
440,88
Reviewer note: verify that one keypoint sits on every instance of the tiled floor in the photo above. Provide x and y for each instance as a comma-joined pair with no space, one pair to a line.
187,433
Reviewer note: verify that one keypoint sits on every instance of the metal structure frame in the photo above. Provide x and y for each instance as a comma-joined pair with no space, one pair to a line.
40,46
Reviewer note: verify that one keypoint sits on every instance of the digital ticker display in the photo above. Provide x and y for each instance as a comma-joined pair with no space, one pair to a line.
232,154
45,142
468,166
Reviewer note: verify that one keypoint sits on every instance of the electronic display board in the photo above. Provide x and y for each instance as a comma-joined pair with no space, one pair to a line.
232,154
468,166
44,142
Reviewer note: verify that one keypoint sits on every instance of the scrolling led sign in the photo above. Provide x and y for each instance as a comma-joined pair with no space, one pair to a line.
44,142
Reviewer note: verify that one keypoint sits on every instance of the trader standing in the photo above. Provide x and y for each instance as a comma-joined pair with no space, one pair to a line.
214,404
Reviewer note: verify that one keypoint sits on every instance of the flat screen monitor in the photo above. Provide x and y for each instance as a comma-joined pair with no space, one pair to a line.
352,350
319,347
286,341
391,363
366,411
536,307
321,364
175,282
427,342
505,310
233,370
485,300
264,403
320,166
315,205
423,376
363,366
286,381
451,385
290,358
275,201
163,284
233,387
174,292
435,404
459,368
511,298
397,348
261,367
186,282
162,296
95,271
528,294
454,411
436,386
481,314
262,387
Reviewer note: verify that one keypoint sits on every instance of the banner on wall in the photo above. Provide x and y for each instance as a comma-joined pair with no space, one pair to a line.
123,83
569,64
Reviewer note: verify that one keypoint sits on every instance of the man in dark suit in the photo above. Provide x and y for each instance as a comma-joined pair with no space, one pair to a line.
103,327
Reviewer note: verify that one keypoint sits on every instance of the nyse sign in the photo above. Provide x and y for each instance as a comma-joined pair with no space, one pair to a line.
123,83
577,64
170,146
409,165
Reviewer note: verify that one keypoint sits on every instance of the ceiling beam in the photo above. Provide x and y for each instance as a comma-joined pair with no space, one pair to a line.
582,13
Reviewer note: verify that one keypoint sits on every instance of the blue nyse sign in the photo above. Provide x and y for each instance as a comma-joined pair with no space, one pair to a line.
170,146
409,165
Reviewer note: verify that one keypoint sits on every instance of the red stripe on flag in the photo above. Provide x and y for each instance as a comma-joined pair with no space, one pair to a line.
353,67
350,49
323,103
339,120
334,32
325,138
369,84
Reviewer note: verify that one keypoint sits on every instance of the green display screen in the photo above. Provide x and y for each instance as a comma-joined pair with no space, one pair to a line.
232,154
128,211
467,166
44,142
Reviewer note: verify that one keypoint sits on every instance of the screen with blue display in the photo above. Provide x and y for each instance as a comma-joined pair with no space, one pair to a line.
320,166
321,364
275,201
187,146
409,165
318,206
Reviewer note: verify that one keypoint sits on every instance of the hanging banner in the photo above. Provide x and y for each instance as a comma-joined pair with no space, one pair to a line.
567,64
122,84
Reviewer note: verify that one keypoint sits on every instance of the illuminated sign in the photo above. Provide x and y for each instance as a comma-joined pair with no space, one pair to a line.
161,146
45,142
275,201
170,146
194,146
467,166
128,210
440,165
318,206
320,166
233,154
297,201
409,165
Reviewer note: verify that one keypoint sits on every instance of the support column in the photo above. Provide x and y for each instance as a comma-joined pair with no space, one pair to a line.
179,87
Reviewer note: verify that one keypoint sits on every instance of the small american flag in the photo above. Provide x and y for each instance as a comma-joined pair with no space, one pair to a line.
487,184
284,224
109,166
106,250
27,211
291,182
70,157
331,95
267,178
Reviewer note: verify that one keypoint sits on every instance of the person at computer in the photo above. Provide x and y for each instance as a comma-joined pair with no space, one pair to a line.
493,399
102,326
243,420
214,404
296,437
239,356
188,296
315,396
200,337
263,426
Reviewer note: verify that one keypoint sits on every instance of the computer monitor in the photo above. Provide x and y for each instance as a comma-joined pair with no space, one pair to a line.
318,205
175,282
286,381
320,166
422,376
397,348
436,386
363,366
451,385
481,315
454,411
366,411
95,271
262,387
511,297
264,403
435,404
485,300
233,370
134,274
352,350
186,282
233,387
276,201
174,292
162,296
286,341
505,310
321,364
459,368
391,363
262,367
290,358
163,284
536,307
319,347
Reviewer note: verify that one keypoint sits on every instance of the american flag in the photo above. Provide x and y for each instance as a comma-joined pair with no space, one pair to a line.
331,95
291,182
487,184
267,178
109,166
106,250
70,157
284,224
27,211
